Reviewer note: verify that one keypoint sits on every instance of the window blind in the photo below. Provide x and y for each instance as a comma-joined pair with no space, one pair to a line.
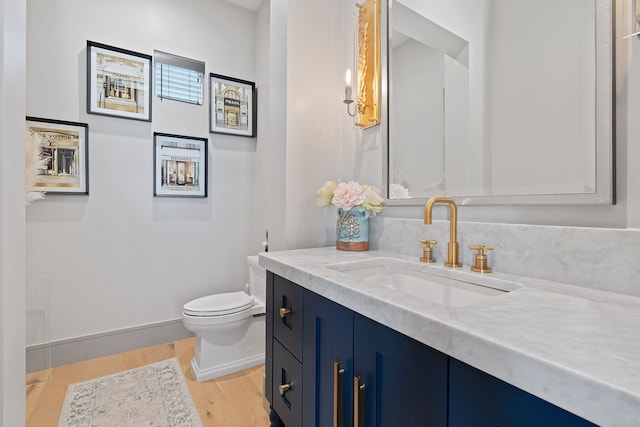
178,78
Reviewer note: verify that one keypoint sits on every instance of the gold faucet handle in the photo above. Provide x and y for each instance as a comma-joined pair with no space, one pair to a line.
427,253
481,258
481,248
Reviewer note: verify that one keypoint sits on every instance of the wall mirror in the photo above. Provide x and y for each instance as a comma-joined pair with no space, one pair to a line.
499,101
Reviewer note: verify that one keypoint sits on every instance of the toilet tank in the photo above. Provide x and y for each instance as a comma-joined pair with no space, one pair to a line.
257,279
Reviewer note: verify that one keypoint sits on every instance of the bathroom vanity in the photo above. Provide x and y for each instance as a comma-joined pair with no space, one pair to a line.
378,339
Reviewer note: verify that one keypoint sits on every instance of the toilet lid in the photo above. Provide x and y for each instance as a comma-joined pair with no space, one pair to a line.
219,304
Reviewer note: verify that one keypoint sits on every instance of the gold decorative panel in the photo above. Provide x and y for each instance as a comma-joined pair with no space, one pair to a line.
368,56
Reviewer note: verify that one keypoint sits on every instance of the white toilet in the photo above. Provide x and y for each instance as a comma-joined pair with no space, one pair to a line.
229,328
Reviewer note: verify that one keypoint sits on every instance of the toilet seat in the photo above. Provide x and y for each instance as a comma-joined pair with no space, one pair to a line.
219,304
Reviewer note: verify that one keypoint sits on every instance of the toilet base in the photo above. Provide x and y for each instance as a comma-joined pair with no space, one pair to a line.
229,348
225,369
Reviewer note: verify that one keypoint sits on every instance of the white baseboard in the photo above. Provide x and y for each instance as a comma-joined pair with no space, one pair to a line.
87,347
225,369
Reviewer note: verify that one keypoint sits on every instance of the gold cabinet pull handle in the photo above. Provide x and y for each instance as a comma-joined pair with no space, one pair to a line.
358,402
283,388
284,312
338,395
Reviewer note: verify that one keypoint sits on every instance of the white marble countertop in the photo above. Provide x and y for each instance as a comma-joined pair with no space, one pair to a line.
575,347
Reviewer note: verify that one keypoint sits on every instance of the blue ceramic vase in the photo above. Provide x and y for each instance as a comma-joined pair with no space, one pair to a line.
352,230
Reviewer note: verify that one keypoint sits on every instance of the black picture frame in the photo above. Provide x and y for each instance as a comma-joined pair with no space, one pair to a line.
118,82
179,165
67,147
236,114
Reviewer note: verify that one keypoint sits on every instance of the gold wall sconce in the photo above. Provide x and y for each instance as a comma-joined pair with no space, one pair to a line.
347,93
367,109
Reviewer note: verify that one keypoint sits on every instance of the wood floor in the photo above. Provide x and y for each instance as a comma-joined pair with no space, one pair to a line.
232,401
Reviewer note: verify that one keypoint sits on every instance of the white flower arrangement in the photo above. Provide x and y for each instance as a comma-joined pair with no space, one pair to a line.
398,191
348,195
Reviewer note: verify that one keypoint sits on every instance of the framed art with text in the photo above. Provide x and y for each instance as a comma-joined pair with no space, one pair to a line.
232,106
64,145
118,82
179,166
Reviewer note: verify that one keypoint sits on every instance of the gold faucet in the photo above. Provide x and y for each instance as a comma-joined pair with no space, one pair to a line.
452,259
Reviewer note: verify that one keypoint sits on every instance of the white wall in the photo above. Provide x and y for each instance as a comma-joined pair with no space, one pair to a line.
12,224
269,172
315,115
119,257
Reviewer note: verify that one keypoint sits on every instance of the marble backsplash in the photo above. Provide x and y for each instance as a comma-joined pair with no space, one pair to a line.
597,258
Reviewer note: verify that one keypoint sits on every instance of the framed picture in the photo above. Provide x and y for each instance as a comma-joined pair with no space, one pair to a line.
232,106
65,146
179,166
118,82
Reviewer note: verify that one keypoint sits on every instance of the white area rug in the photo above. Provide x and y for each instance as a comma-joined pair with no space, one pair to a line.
152,395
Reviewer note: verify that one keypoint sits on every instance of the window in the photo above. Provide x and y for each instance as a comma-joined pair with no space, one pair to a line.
178,78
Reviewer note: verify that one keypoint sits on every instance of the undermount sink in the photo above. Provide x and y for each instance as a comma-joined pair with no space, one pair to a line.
410,278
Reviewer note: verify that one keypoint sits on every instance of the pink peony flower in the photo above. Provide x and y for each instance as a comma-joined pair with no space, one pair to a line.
347,195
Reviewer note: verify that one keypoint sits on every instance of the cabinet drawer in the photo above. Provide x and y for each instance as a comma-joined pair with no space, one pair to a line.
287,386
287,315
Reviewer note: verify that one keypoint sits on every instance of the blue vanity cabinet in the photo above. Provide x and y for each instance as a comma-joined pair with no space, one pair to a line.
283,358
328,363
400,381
329,366
479,399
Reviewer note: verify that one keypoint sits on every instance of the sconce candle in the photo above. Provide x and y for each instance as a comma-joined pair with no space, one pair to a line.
347,86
